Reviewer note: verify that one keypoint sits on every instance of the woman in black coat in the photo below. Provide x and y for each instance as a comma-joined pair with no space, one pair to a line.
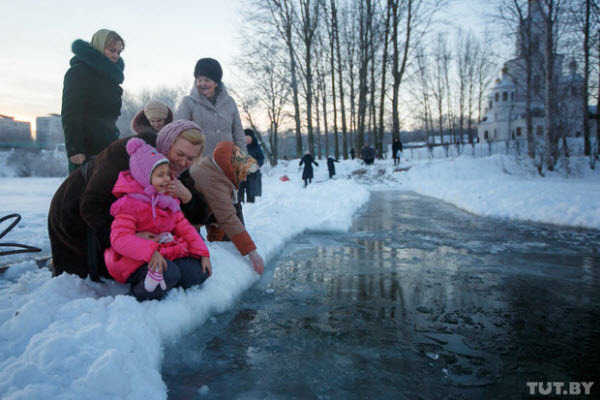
91,101
252,186
307,174
396,150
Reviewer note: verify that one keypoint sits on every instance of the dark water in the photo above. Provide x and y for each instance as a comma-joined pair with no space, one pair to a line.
419,300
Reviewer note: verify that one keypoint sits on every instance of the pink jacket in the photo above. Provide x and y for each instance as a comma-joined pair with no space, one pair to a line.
128,252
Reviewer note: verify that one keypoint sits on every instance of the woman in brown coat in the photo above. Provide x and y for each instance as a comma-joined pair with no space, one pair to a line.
79,219
218,179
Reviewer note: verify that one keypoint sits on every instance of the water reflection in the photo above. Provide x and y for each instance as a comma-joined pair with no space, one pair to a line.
419,299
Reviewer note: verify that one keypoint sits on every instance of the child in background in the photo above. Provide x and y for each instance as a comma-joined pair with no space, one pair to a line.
178,257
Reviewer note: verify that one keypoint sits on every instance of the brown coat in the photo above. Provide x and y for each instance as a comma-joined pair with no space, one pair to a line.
81,202
217,184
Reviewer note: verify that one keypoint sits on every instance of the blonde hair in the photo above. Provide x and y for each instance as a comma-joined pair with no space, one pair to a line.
195,137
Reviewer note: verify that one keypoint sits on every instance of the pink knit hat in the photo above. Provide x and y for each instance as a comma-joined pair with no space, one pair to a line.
169,132
143,159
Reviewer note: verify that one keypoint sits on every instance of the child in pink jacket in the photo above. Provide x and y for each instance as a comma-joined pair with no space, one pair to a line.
178,256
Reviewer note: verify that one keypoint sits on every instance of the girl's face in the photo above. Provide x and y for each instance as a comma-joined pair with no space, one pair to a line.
206,86
182,155
157,124
161,176
113,50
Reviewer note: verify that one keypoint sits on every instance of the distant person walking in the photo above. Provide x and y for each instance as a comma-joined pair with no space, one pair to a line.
368,154
396,150
91,100
252,186
331,166
307,174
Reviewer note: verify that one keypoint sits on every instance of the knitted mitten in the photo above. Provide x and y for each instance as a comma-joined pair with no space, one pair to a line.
153,279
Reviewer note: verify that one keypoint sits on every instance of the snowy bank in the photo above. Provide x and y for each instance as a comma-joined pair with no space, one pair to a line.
73,338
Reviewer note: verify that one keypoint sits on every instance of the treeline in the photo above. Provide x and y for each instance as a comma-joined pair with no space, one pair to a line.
354,69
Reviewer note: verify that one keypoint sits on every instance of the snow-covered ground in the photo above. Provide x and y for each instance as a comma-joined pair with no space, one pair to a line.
71,338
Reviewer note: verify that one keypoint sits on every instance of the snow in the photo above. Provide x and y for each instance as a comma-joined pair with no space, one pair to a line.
70,338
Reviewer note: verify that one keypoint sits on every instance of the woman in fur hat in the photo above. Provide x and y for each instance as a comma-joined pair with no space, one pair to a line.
79,218
152,118
211,107
91,101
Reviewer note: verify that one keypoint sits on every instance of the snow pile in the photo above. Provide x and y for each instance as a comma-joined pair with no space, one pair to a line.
71,338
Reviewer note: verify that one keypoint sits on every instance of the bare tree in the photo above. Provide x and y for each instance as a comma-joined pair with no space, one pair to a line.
384,68
284,18
328,11
308,22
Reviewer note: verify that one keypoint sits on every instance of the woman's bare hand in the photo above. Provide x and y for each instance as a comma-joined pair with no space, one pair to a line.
178,190
206,266
77,159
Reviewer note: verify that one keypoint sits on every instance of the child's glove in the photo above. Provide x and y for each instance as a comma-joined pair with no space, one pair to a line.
153,279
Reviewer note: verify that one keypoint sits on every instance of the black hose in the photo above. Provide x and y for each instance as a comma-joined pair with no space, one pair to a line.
22,248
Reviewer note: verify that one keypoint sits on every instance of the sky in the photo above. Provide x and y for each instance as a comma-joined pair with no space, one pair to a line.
163,42
72,338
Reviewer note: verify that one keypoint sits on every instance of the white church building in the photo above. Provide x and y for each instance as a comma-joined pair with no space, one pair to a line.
505,113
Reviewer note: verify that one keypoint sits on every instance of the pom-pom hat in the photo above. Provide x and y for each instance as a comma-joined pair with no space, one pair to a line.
143,159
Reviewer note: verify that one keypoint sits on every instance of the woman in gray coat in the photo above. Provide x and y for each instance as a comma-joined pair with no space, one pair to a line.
211,107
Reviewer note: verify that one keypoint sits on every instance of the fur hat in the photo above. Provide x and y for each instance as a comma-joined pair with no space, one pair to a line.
143,159
210,68
156,110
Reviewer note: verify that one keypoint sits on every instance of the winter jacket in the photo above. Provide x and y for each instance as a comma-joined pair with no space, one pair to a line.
140,123
84,200
219,122
331,165
129,252
396,147
253,184
308,160
215,179
91,101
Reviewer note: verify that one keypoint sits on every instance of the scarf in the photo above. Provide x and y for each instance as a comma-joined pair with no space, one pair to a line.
156,199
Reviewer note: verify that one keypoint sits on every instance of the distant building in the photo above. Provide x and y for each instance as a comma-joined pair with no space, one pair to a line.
12,131
49,131
506,111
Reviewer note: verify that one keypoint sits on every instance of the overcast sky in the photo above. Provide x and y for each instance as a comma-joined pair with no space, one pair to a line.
163,42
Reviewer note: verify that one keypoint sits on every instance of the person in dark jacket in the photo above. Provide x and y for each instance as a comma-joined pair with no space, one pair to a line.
152,118
396,150
368,154
91,100
307,174
79,218
352,153
331,166
252,186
